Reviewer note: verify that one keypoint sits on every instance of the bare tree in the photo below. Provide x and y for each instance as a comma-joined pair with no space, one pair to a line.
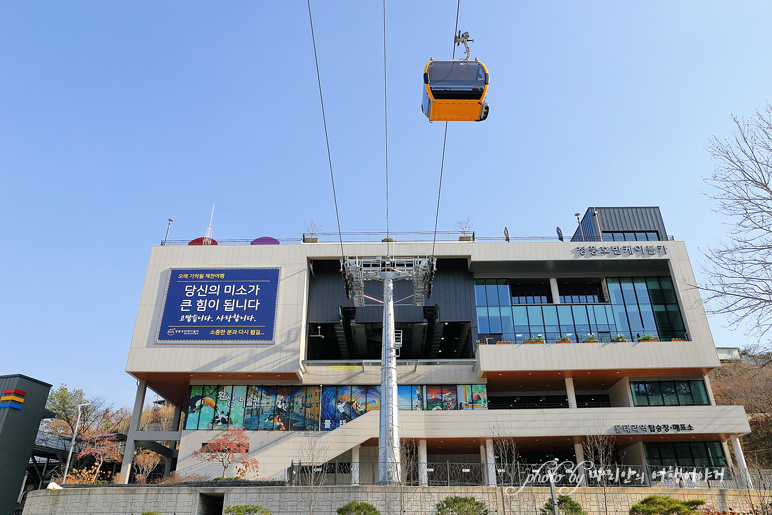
313,227
465,226
600,450
739,276
749,385
507,455
409,468
312,468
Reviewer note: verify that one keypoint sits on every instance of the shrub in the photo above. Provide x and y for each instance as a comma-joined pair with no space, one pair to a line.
358,508
150,513
455,505
566,506
245,509
663,505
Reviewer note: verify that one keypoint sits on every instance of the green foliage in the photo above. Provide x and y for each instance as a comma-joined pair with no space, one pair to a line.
455,505
150,513
358,508
663,505
246,509
64,403
566,506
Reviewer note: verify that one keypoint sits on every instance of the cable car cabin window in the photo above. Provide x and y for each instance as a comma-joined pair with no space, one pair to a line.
456,79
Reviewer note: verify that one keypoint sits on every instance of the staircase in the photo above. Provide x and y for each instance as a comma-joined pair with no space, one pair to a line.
316,447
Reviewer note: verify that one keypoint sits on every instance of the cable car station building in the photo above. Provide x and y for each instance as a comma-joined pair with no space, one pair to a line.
542,342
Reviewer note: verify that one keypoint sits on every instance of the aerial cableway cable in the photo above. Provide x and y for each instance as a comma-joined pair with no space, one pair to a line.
324,121
444,142
386,128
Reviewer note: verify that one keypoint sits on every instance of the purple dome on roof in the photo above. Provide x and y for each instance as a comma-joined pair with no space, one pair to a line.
265,240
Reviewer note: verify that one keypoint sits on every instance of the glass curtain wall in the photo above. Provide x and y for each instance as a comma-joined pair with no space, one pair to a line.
638,306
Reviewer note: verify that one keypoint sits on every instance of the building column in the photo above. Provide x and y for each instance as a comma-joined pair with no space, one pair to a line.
709,389
355,465
173,443
555,290
136,416
570,392
727,454
740,457
423,474
490,461
580,469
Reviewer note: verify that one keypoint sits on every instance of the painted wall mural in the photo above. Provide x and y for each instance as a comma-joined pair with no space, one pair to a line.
313,408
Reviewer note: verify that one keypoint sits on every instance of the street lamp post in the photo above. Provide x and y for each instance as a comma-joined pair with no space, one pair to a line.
167,231
579,222
72,444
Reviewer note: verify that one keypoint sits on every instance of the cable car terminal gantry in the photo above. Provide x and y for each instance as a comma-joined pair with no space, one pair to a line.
455,90
356,271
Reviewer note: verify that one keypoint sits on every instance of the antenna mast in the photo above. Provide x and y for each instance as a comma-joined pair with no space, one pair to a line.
208,235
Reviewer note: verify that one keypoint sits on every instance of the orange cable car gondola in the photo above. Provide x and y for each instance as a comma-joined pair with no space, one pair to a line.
455,90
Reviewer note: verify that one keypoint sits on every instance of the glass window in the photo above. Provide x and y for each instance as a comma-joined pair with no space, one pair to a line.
667,290
715,454
699,393
629,236
667,454
683,454
668,393
494,320
639,394
655,292
684,392
566,318
640,236
505,297
601,317
507,328
479,292
535,320
482,320
521,316
608,236
652,454
492,292
655,394
652,236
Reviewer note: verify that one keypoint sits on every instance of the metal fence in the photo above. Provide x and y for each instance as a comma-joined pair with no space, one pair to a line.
566,474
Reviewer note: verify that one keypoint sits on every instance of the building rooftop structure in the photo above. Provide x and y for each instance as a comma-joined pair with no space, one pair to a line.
540,342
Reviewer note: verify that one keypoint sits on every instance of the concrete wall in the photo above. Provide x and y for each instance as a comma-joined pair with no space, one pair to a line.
326,500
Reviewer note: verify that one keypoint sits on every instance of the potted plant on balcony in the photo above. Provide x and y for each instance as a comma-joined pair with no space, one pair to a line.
646,337
620,338
534,339
313,228
480,342
564,339
504,342
465,227
590,338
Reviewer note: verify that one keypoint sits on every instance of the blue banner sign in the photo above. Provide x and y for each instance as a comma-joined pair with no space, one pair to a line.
220,305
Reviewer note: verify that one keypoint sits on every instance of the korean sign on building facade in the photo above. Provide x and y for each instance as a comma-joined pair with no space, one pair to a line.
221,305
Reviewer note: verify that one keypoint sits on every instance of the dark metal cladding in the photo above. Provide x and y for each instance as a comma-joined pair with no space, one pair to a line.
620,219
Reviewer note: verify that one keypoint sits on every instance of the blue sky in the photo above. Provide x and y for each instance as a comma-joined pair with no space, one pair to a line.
115,116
